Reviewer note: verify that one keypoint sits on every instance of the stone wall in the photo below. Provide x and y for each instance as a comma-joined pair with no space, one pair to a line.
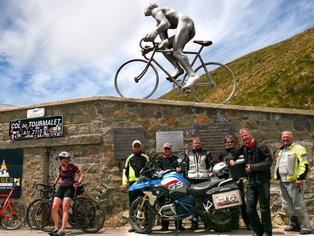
88,134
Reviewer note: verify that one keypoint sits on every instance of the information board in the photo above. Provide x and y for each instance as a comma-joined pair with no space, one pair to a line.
122,141
11,171
212,137
173,137
40,127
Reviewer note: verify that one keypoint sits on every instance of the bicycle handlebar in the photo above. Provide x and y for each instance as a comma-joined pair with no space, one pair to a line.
43,187
147,46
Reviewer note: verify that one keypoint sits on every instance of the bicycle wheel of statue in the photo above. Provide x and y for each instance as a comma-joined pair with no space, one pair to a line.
135,79
216,84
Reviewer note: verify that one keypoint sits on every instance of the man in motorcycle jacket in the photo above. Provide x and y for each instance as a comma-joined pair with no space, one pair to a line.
258,160
199,168
292,168
168,161
131,171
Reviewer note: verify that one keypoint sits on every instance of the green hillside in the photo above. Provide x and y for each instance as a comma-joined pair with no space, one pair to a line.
281,75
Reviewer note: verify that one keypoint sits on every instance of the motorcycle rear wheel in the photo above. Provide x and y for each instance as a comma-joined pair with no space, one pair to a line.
142,222
223,220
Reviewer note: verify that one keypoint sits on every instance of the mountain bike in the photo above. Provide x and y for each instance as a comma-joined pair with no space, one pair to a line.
12,212
84,213
139,78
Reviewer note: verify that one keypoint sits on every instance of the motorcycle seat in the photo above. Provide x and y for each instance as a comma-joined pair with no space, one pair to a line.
201,188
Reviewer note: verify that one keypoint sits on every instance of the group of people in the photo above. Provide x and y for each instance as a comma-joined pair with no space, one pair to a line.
291,169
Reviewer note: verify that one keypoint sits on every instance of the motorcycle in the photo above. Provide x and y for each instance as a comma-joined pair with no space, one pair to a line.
170,196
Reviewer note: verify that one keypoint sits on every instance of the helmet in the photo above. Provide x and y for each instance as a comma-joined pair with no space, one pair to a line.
221,170
64,154
219,167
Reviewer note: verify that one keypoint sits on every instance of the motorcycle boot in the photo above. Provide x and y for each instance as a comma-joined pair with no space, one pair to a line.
164,225
294,224
179,226
194,225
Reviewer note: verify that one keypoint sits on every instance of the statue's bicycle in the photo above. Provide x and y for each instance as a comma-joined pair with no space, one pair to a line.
139,78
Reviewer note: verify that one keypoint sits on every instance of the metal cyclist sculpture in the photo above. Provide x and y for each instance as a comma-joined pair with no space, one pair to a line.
168,18
139,78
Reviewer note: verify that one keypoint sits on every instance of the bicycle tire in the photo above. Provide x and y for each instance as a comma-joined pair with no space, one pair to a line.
125,84
42,217
217,87
89,214
30,208
15,220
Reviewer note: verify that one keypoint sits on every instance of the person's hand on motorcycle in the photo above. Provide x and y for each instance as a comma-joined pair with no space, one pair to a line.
178,169
211,174
248,168
76,184
231,162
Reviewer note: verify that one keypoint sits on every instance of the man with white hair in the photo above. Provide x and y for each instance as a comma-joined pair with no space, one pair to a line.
291,170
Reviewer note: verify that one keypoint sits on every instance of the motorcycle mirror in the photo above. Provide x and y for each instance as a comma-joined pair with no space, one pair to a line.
179,160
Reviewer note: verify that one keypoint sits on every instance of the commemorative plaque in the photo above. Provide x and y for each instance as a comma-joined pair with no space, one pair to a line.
212,137
173,137
122,141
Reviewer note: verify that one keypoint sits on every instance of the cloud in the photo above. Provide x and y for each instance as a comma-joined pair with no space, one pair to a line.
55,49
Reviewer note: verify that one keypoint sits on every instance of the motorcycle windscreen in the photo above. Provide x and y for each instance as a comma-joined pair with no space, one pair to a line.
227,199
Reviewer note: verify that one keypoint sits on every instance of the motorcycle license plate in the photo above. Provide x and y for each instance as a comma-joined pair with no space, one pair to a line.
227,199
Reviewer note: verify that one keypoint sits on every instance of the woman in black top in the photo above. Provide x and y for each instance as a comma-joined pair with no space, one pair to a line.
229,155
66,172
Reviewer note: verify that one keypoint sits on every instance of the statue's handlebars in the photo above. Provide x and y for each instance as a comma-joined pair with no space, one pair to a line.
147,46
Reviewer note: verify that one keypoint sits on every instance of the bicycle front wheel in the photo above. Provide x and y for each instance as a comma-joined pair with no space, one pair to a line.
30,208
90,216
42,217
217,83
15,218
136,79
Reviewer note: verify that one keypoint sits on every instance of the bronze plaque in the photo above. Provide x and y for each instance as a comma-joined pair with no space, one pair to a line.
122,141
212,137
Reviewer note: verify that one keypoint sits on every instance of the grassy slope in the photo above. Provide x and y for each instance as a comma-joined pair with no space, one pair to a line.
281,75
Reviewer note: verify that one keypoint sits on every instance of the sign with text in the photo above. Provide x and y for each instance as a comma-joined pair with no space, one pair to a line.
11,171
173,137
212,137
40,127
122,140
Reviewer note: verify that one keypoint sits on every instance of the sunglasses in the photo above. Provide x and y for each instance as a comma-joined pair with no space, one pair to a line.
61,158
136,146
166,148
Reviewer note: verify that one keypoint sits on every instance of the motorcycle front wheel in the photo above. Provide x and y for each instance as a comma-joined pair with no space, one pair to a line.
142,221
223,220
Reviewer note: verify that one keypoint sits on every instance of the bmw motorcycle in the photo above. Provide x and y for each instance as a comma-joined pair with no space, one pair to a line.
168,195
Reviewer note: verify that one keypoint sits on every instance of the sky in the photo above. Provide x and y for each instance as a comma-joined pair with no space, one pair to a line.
53,50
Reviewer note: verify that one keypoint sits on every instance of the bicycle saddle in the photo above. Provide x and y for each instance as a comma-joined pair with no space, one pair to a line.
203,42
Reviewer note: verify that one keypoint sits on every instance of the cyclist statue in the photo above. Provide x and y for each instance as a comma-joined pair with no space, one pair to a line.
168,18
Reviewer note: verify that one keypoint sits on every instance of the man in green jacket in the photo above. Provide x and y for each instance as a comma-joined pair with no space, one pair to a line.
291,170
131,171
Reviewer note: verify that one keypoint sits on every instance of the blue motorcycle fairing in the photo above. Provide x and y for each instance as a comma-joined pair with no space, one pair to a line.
178,176
144,184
